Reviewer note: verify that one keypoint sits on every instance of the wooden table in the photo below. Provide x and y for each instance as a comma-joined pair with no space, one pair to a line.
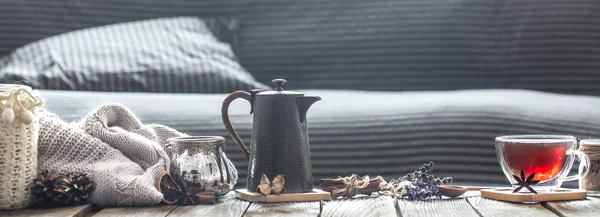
373,206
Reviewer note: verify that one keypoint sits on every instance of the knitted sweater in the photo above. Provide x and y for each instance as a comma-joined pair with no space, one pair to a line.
122,156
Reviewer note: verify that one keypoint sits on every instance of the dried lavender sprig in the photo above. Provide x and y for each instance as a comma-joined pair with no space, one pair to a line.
420,184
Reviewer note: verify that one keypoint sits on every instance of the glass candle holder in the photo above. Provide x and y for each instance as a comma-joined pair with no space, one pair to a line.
200,161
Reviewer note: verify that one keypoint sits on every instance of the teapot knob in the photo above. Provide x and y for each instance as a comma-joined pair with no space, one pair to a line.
279,83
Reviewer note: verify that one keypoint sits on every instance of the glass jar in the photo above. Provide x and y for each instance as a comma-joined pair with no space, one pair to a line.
201,161
591,182
18,144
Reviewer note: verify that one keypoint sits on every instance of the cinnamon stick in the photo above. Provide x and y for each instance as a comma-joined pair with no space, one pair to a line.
207,197
336,183
337,187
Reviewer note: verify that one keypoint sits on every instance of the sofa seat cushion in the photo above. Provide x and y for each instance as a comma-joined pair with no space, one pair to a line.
375,133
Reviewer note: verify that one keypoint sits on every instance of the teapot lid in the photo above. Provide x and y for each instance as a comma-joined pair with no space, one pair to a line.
279,89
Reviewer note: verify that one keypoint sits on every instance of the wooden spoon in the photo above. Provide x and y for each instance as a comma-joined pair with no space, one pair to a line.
455,190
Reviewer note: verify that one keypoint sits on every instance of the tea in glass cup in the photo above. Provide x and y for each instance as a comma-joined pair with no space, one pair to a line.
548,158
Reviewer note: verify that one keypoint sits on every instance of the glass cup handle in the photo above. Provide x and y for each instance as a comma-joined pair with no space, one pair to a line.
585,163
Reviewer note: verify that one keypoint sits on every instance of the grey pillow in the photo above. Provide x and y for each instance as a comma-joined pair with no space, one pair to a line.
178,54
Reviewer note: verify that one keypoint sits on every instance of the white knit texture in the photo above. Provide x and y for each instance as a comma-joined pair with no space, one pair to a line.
18,163
122,156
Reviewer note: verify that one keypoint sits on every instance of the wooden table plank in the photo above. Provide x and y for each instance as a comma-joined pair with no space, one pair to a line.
371,206
75,211
589,207
288,209
154,211
495,208
227,206
458,207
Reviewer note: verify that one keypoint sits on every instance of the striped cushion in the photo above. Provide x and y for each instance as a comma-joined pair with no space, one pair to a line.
160,55
548,45
375,133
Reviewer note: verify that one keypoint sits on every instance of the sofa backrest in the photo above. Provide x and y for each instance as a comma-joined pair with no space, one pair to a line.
549,45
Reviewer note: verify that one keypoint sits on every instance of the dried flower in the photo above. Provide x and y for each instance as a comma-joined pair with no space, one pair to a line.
266,187
418,185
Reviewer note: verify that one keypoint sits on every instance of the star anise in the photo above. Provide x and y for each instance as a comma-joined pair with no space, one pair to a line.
525,182
189,194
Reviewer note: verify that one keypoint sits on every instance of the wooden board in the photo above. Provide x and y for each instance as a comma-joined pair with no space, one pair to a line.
227,206
589,207
455,207
315,195
505,194
154,211
494,208
75,211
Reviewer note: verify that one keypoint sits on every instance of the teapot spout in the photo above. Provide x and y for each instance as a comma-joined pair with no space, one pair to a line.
304,102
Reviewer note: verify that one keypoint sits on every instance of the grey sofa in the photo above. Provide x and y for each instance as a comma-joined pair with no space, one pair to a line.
402,82
375,133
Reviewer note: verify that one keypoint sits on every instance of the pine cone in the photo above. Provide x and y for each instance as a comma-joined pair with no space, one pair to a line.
45,189
77,188
50,189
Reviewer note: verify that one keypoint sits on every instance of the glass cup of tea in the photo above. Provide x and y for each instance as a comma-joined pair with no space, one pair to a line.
548,157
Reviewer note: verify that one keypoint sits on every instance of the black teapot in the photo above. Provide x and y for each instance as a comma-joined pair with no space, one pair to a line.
279,142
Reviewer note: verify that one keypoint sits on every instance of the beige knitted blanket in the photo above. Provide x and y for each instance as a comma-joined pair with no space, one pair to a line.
122,156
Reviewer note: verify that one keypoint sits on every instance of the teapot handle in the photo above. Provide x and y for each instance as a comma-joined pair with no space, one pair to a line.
225,115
